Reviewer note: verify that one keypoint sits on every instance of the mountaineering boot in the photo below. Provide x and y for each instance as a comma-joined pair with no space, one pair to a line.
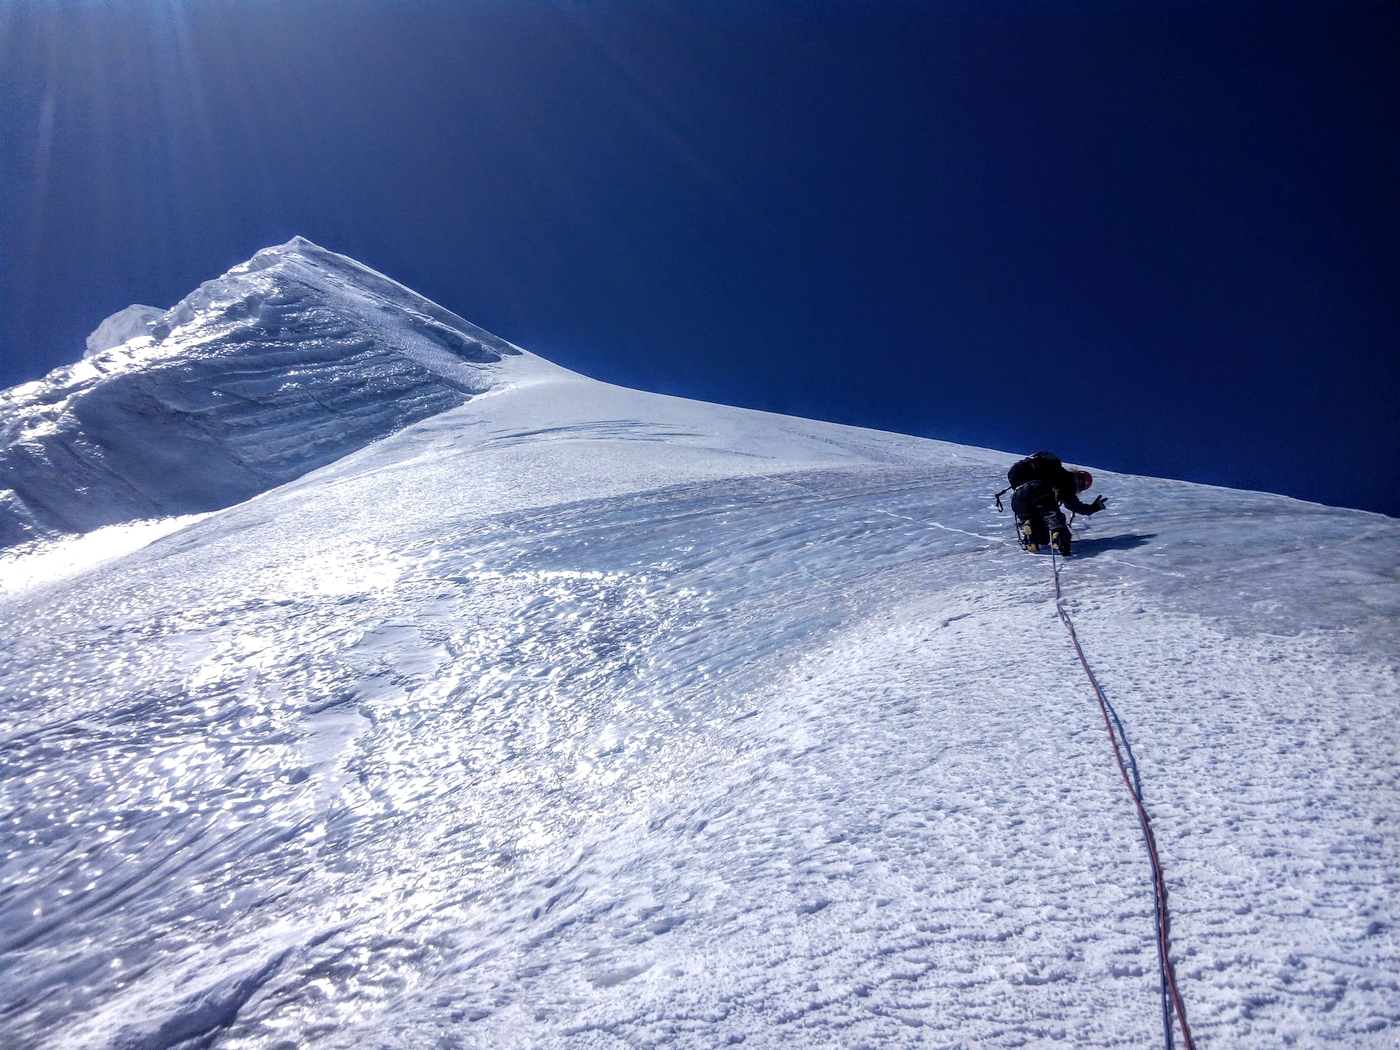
1060,540
1028,531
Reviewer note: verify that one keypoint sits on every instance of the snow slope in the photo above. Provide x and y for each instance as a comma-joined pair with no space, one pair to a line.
577,716
287,362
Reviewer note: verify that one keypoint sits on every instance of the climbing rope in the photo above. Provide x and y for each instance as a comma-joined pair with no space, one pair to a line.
1159,886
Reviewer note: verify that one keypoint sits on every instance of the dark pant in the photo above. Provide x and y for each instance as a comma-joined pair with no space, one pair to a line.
1036,503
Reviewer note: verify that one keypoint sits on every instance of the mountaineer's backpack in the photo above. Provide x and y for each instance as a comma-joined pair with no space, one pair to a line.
1038,467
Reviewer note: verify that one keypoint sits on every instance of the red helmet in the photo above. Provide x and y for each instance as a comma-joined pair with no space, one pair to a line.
1082,480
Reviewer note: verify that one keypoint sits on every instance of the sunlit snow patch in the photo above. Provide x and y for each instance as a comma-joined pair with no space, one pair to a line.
46,561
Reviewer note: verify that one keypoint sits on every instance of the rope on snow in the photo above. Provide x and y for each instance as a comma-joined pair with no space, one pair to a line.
1159,886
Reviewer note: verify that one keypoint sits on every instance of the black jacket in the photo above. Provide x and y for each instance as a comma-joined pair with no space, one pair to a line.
1062,481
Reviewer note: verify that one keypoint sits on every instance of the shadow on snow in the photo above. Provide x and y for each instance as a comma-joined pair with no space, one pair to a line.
1089,546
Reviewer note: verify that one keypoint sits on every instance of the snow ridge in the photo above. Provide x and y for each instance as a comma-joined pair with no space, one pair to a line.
285,363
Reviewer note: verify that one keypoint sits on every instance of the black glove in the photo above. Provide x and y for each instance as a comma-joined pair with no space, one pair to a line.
1098,505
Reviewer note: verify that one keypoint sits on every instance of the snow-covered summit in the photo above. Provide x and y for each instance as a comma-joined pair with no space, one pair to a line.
285,363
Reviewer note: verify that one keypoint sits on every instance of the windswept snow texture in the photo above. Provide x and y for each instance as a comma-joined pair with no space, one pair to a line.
287,362
580,717
122,327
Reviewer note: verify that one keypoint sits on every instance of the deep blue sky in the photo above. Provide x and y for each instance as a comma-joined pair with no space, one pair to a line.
1155,237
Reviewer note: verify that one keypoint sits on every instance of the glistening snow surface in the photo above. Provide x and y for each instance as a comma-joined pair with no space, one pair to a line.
576,716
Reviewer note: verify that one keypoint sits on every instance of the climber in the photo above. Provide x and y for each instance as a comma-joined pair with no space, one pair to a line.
1041,484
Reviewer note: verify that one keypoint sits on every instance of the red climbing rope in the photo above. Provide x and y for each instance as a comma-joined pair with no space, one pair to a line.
1164,959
